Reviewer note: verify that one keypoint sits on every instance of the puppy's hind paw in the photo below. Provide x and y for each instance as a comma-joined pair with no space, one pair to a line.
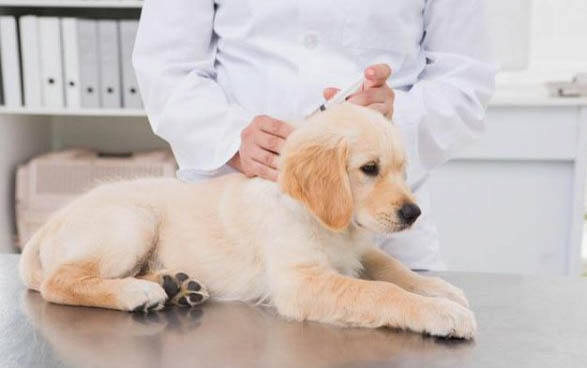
182,290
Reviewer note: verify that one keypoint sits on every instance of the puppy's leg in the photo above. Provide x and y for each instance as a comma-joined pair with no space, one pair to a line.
312,292
380,266
181,290
81,284
105,248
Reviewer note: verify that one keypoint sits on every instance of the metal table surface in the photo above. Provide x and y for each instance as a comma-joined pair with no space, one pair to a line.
524,321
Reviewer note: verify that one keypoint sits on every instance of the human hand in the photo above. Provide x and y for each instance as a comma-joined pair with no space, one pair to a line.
261,143
375,93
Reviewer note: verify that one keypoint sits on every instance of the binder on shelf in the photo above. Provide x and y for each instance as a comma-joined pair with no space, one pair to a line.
89,72
109,63
1,90
130,95
51,65
71,63
30,48
9,62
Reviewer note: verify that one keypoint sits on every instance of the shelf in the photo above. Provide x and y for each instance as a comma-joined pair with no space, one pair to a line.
514,100
127,4
73,112
531,95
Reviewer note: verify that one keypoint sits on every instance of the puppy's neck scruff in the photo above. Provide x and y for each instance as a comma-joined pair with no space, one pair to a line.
346,166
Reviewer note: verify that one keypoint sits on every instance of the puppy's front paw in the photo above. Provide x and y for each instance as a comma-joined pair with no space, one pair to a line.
437,287
442,317
142,296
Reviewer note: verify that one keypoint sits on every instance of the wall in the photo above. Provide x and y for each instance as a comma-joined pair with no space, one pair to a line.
558,42
559,33
21,139
115,134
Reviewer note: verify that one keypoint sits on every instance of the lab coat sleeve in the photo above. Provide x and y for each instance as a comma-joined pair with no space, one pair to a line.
174,59
445,109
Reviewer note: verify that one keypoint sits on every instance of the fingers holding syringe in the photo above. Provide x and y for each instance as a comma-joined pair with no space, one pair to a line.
329,92
376,75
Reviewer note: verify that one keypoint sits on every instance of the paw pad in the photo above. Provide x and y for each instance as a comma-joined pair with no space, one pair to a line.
183,291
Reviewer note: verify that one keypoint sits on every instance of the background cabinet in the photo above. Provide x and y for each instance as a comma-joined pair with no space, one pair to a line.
513,202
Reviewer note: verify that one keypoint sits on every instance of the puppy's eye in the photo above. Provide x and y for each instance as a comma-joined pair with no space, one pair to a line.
371,169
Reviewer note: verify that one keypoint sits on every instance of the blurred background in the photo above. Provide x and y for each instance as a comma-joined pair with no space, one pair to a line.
514,202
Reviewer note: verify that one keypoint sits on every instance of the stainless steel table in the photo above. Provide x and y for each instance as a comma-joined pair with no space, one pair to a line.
523,322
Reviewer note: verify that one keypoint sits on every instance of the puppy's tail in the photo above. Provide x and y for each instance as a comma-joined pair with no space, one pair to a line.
30,263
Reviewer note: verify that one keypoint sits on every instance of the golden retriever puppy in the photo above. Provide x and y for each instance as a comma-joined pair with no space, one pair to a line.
303,245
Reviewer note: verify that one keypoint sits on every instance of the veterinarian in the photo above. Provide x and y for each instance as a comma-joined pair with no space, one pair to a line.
220,79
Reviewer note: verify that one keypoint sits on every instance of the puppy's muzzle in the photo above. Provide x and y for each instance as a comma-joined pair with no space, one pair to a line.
409,212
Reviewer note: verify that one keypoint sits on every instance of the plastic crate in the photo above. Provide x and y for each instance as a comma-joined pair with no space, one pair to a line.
50,181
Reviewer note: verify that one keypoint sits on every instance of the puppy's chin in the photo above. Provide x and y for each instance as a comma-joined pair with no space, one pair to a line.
400,227
376,227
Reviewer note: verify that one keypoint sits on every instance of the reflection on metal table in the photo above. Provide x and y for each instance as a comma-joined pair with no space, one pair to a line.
523,322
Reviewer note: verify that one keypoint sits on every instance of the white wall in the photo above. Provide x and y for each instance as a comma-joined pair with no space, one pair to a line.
557,41
116,134
21,138
559,33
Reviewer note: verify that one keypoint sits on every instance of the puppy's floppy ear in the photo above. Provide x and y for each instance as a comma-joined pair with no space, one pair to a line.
315,174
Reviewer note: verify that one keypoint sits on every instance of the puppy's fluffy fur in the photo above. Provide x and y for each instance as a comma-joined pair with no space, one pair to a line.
303,245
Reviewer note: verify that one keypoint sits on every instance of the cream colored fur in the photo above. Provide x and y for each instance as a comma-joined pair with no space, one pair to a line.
302,245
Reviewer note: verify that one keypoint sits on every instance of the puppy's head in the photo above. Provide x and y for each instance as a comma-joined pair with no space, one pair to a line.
346,165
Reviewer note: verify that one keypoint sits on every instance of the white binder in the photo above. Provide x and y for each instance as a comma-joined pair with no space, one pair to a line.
71,64
109,63
130,95
10,64
31,61
87,38
51,63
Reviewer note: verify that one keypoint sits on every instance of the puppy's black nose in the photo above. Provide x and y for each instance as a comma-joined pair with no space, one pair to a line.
409,213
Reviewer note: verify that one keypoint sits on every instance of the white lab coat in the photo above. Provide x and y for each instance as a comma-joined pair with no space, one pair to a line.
206,68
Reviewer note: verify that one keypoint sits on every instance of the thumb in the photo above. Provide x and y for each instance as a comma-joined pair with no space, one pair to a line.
329,92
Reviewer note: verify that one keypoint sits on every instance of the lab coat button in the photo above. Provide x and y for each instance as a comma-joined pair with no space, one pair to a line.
311,41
